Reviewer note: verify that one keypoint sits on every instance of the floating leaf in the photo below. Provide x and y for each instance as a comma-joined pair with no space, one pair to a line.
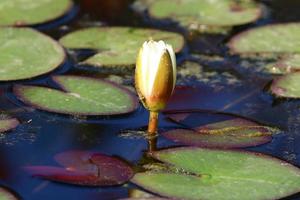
217,174
204,15
229,133
80,96
6,194
8,124
288,64
85,168
117,46
26,53
245,137
262,39
287,86
31,12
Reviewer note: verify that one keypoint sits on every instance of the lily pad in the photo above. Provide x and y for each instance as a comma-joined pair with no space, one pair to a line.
218,174
79,96
287,64
31,12
287,86
204,15
262,39
117,46
245,137
229,133
8,124
85,168
26,53
6,194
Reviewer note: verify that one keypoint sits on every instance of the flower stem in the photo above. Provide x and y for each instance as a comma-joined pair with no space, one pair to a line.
153,122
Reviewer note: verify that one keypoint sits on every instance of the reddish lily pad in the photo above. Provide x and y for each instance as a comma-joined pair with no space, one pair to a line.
80,96
287,86
8,124
85,168
218,174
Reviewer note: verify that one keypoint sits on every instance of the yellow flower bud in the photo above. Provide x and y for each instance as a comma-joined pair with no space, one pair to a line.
155,74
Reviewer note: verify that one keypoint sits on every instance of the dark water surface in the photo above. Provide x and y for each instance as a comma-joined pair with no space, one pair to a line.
238,87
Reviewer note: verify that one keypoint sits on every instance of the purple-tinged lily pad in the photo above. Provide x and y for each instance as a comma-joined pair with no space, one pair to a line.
85,168
232,139
8,124
218,174
80,96
287,86
226,132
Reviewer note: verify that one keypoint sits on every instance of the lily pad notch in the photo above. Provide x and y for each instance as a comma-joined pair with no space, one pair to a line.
211,174
79,96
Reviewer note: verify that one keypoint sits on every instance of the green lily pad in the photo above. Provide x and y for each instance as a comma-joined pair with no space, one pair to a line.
31,12
216,174
117,46
287,64
287,86
26,53
204,15
261,40
79,96
6,194
8,124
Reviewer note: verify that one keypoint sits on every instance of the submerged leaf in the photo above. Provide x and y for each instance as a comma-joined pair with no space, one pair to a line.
217,174
85,168
31,12
80,96
26,53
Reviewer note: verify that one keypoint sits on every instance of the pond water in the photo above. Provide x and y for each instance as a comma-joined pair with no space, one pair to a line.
231,85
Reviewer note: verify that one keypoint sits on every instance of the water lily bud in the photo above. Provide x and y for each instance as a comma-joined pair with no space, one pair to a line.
155,74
